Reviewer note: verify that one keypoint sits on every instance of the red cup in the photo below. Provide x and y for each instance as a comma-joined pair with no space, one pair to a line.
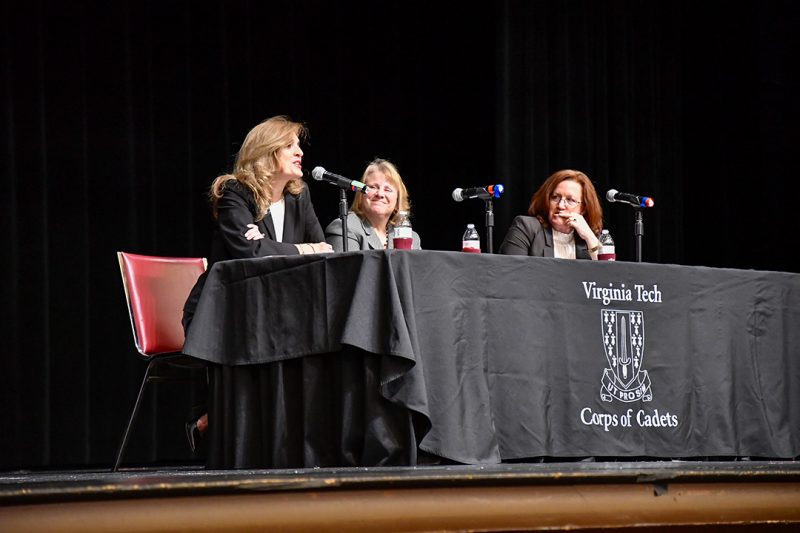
402,243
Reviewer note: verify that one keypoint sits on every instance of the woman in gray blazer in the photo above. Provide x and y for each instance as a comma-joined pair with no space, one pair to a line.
373,215
565,218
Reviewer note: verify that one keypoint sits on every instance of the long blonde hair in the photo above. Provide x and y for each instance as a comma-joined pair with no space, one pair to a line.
257,162
390,171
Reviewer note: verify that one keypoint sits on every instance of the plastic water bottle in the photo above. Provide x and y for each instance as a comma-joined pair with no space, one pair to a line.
402,237
607,251
471,242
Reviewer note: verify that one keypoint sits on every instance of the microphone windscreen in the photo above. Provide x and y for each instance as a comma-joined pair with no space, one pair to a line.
495,190
611,195
318,173
457,195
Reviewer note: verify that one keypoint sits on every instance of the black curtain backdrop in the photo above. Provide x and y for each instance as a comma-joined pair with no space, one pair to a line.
116,116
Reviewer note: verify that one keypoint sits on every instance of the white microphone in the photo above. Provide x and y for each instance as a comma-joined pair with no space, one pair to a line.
613,195
484,193
321,174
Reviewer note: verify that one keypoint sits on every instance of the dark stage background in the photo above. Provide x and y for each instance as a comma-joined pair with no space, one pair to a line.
116,116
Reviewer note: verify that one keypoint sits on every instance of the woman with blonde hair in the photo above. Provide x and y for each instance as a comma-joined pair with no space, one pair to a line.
263,208
565,220
374,213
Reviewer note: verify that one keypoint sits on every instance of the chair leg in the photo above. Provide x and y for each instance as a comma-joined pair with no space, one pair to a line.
125,437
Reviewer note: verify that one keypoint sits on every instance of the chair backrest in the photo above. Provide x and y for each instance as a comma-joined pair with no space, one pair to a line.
156,288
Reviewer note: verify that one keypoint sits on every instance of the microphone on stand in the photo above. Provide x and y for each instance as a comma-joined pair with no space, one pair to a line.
321,174
484,193
487,193
613,195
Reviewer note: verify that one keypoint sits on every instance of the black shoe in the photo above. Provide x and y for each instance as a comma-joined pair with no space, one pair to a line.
193,434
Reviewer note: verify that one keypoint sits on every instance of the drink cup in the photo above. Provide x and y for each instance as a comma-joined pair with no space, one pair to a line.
402,243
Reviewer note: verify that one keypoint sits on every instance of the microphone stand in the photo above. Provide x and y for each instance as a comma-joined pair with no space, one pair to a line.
489,225
343,216
638,232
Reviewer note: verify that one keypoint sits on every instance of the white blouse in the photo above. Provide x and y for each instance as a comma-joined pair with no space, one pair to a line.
563,245
278,212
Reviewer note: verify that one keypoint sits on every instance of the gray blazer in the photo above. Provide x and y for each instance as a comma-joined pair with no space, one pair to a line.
360,235
526,236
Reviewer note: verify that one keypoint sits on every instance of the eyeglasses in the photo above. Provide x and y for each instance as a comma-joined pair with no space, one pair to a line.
556,199
373,189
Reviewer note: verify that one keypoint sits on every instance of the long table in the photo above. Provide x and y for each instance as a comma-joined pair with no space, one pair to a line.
402,357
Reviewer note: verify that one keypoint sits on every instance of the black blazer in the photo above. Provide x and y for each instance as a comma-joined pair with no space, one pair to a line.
236,209
526,236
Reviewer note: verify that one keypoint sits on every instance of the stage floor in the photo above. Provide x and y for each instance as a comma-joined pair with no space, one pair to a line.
699,495
47,486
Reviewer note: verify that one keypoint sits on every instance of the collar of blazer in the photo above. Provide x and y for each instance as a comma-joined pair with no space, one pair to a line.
372,236
290,213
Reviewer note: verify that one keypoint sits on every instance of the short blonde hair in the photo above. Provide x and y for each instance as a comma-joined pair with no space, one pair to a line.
388,169
257,162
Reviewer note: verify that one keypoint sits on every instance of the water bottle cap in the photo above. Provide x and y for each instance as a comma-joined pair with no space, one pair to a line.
604,231
470,225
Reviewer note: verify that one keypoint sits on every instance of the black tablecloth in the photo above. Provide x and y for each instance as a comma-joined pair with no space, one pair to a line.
352,358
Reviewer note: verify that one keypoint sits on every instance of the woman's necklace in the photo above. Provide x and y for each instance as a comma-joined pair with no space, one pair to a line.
384,238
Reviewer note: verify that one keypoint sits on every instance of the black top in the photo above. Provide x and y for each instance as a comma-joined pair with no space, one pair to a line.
236,209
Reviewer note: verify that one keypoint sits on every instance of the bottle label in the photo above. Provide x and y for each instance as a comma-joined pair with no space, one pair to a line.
607,253
402,232
471,246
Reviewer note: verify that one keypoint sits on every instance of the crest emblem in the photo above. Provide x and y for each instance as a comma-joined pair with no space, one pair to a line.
623,341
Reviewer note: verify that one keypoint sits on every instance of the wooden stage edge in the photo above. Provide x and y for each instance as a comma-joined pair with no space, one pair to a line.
608,496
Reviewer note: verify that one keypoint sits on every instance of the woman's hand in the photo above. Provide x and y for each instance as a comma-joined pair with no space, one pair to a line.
321,247
314,248
581,227
253,234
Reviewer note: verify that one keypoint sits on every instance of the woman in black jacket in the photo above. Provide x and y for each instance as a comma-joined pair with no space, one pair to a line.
263,208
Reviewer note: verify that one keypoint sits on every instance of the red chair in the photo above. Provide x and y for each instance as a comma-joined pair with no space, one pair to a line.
156,289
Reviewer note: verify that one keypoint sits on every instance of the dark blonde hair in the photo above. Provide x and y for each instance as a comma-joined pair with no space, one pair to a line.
390,171
590,203
257,162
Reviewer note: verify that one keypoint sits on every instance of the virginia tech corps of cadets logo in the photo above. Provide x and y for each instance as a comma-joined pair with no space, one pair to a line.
623,339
